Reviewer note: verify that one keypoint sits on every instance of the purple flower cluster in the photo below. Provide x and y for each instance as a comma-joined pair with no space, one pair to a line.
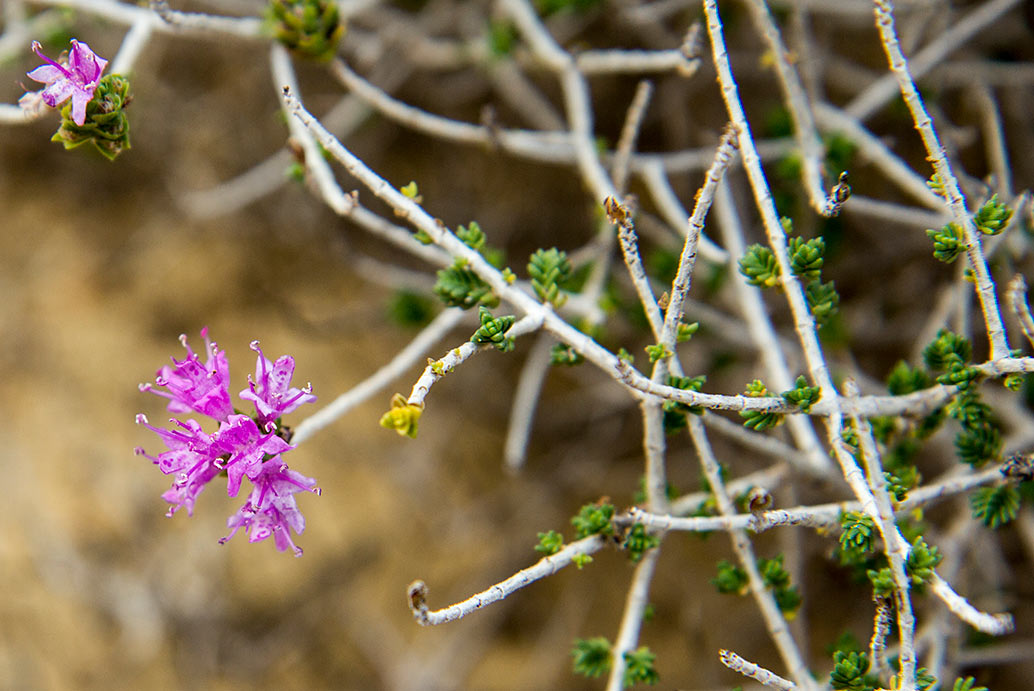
243,446
74,78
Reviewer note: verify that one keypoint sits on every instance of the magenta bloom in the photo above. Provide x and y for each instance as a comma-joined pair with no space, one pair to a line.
271,508
243,447
190,456
76,79
192,386
271,390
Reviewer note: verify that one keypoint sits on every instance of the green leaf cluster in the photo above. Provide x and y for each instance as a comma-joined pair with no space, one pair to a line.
992,217
823,300
995,506
759,420
802,395
309,28
493,331
948,242
548,269
858,534
639,667
731,579
806,257
459,286
658,351
550,542
777,579
592,657
759,266
563,354
638,542
675,412
850,672
472,236
593,519
967,685
106,126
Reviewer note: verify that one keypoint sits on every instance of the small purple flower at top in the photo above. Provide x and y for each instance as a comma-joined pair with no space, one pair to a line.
271,508
76,79
192,386
271,389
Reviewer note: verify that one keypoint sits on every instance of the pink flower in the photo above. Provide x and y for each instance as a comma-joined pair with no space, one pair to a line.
76,79
192,386
271,508
271,390
244,447
191,456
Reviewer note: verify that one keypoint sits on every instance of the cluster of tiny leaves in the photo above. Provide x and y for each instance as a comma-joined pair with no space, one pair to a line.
950,241
806,257
593,519
591,656
675,412
106,126
759,420
777,579
731,579
472,236
980,439
924,680
310,28
995,506
922,559
639,667
759,266
459,286
493,331
802,395
858,534
658,351
967,685
684,332
638,542
563,354
550,542
548,269
823,300
850,672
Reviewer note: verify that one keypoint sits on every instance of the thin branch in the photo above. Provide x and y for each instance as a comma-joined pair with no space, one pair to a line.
406,358
546,566
937,155
755,672
635,604
629,134
1017,296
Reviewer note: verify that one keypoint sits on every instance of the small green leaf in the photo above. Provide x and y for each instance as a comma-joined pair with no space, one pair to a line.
592,656
995,506
759,266
493,331
639,667
948,243
992,217
550,542
593,519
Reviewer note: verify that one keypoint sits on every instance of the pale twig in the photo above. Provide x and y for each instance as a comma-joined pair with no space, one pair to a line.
952,193
884,89
993,624
629,134
653,176
891,212
807,136
621,216
815,460
284,78
546,566
877,505
1017,296
687,260
436,370
755,672
878,642
635,604
596,62
133,44
773,617
406,358
525,400
242,27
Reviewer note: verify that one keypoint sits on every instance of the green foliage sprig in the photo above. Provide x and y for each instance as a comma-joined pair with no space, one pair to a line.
858,534
759,420
992,217
675,412
593,519
493,331
638,542
548,269
563,354
731,579
106,126
592,656
550,542
759,266
995,506
310,28
802,395
806,257
459,286
850,672
639,667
